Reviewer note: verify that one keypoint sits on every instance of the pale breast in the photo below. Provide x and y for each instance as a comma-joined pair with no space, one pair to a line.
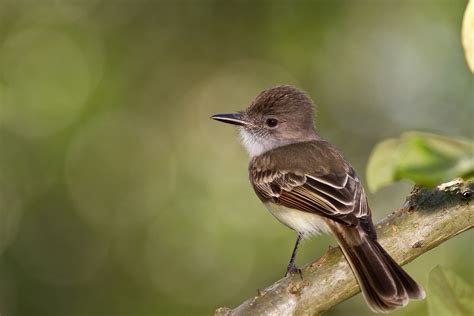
303,222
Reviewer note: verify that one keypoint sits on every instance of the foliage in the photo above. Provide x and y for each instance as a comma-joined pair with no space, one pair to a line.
424,158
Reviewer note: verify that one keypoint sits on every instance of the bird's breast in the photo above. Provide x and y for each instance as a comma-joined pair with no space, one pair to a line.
308,224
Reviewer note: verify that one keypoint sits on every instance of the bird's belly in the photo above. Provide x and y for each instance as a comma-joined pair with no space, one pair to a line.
303,222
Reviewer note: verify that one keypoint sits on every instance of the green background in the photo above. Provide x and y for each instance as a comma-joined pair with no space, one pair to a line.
118,194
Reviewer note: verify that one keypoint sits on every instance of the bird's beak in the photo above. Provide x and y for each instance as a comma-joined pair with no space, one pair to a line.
233,118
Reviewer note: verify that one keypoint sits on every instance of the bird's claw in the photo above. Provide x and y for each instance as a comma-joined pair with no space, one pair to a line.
292,269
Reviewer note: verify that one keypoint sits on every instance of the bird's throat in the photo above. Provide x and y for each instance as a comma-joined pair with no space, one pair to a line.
256,145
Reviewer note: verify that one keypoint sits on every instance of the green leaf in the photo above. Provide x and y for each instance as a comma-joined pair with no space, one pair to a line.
424,158
448,294
380,170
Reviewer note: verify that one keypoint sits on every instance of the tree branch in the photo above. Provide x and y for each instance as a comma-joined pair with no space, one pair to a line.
428,218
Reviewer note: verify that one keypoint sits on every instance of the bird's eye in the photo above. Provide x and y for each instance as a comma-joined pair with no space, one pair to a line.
271,122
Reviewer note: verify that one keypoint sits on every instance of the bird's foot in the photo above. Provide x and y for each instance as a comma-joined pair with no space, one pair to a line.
292,269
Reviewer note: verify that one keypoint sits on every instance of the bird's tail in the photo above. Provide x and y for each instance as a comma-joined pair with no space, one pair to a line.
384,284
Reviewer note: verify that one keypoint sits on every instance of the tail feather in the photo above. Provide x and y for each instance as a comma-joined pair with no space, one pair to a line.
414,290
384,284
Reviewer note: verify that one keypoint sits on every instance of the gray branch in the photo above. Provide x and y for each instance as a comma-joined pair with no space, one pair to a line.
428,218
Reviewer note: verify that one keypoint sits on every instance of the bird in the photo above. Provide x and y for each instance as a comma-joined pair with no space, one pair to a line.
307,184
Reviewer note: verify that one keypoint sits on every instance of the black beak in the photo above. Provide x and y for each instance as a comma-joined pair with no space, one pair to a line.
234,118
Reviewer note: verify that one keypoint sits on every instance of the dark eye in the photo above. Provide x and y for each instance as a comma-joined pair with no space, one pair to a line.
271,122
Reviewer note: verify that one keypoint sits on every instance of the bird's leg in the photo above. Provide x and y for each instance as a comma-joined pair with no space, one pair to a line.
291,266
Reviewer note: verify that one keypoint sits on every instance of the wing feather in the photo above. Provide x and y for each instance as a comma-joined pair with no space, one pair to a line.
312,177
338,197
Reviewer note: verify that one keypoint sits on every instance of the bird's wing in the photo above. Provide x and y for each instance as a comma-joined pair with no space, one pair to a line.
339,197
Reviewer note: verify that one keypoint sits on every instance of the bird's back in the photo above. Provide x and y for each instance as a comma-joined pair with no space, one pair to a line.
317,158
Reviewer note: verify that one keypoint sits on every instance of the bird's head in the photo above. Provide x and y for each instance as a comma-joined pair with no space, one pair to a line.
276,117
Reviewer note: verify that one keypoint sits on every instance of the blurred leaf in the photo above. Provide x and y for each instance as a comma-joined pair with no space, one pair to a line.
385,154
468,34
448,294
427,159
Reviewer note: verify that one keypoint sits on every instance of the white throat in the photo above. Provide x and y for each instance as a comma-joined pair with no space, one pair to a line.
255,145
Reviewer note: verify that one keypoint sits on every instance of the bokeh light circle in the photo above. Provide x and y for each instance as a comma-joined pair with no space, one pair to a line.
47,79
118,171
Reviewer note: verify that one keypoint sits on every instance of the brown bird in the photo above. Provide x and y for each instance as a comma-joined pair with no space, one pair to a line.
306,183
